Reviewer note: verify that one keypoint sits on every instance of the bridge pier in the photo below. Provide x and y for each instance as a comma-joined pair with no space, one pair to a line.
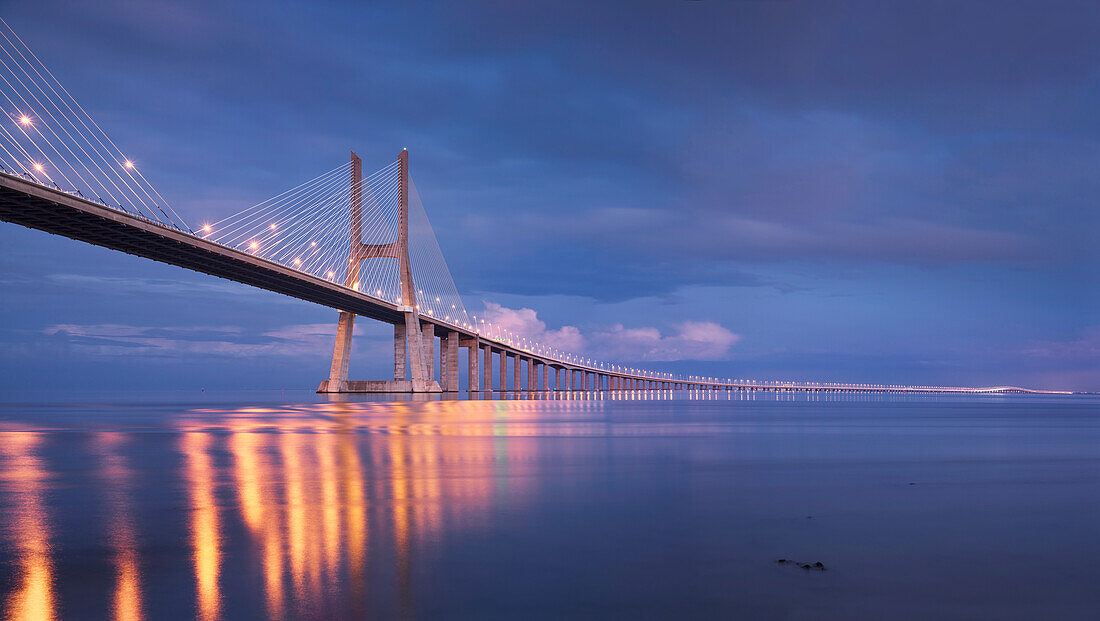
427,349
487,368
412,345
473,374
449,361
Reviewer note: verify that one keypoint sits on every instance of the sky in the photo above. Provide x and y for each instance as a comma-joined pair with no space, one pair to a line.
841,192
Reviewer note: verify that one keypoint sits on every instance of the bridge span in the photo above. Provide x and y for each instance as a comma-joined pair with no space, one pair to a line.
37,206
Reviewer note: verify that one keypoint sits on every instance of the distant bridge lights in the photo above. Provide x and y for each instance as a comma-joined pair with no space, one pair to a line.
128,164
25,120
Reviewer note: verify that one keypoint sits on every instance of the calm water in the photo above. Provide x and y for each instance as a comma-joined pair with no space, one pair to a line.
290,506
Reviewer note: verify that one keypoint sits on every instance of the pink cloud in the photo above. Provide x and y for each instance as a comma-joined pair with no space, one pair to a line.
692,340
1086,347
525,322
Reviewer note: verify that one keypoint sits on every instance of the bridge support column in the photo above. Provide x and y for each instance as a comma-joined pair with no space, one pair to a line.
503,370
517,369
487,368
545,376
341,353
449,353
532,375
400,362
473,374
427,350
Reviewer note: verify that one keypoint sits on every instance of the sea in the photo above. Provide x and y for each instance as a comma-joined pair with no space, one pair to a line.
640,505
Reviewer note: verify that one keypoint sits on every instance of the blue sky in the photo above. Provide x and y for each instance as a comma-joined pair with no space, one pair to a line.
873,192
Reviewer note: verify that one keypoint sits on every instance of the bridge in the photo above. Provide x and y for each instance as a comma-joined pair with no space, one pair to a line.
359,244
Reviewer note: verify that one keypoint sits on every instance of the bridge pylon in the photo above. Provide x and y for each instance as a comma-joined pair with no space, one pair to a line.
412,346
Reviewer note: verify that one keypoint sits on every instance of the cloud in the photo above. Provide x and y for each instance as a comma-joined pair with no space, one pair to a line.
152,286
525,322
1085,348
692,340
187,341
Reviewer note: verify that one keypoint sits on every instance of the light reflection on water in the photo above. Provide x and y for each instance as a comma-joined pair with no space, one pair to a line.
298,476
27,527
375,509
126,602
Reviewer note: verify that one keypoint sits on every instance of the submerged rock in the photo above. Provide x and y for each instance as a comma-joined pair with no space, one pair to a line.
818,566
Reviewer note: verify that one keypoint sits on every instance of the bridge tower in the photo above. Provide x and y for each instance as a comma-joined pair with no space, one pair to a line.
411,346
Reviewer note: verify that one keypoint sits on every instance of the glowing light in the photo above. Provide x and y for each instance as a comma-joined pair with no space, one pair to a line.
25,120
272,227
253,245
297,261
330,274
312,243
128,164
206,228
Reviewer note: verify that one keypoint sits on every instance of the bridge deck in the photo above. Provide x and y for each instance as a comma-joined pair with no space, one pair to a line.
38,207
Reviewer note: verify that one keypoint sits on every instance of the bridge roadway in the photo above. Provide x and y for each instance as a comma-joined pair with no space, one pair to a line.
61,213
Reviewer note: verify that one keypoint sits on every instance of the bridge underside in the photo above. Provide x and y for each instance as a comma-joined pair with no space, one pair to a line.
59,213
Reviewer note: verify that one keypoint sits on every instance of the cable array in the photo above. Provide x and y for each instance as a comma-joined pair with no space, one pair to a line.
48,138
436,293
309,228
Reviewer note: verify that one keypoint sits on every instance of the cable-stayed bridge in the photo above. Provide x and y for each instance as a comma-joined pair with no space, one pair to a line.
360,244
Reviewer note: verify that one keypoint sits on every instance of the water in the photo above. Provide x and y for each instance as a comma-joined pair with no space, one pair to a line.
279,505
